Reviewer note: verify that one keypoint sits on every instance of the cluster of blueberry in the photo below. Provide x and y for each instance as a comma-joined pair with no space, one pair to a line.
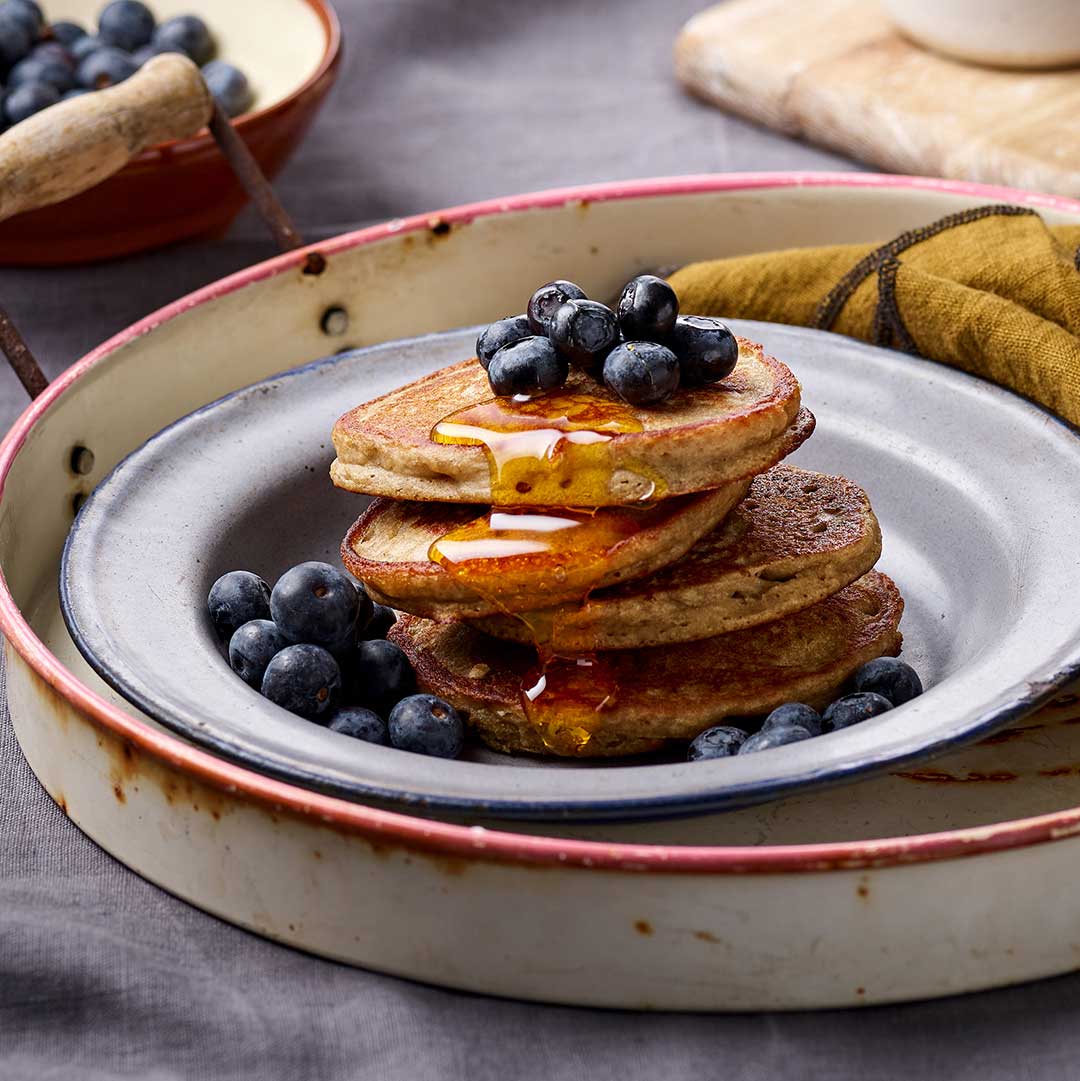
880,685
643,351
316,645
43,63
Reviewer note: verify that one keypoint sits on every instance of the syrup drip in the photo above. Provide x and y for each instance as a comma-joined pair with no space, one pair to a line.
565,698
560,553
551,450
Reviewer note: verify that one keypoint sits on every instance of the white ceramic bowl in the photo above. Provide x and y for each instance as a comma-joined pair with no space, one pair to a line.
1001,33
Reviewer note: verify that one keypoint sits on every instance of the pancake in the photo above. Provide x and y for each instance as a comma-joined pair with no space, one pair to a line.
580,446
631,701
569,555
796,538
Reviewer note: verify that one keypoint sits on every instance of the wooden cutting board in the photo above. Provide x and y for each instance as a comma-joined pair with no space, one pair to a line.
837,72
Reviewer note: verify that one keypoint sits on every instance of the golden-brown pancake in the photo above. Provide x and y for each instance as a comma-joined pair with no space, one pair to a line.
549,558
630,701
580,446
795,539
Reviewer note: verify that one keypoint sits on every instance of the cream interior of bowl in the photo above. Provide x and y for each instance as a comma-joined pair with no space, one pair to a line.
278,44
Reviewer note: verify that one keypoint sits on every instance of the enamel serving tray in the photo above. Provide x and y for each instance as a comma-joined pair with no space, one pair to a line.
933,878
979,533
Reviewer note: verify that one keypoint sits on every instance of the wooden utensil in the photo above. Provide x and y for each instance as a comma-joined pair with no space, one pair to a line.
72,146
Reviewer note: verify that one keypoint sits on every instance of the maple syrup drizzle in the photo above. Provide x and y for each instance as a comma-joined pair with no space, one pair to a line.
564,698
552,450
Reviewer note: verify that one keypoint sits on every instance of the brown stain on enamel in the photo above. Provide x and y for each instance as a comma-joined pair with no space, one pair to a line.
707,936
937,776
863,888
1007,735
643,927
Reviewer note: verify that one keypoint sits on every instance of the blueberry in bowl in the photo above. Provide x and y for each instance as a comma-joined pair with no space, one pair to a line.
359,723
26,100
317,604
303,679
186,34
126,24
237,598
853,709
720,741
105,67
252,647
891,678
425,724
230,87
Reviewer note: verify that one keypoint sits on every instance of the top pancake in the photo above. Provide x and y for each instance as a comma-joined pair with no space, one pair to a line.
699,439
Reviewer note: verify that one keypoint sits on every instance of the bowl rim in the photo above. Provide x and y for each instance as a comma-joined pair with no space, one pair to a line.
474,842
331,25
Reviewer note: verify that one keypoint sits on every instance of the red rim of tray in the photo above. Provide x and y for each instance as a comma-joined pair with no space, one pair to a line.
472,842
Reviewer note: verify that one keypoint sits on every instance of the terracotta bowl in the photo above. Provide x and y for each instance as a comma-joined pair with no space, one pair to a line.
290,53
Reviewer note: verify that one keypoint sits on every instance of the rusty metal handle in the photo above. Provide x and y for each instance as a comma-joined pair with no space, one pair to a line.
77,144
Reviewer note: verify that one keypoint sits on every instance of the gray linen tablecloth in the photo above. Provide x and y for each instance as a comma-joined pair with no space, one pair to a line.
104,976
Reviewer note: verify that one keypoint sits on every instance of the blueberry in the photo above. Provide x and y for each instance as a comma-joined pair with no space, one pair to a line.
775,737
500,333
303,679
647,309
794,713
891,678
82,48
27,14
642,373
35,69
145,53
547,300
853,708
252,647
186,34
105,67
379,675
382,619
359,723
53,50
30,98
230,87
66,33
316,603
527,367
235,599
126,24
723,741
15,40
427,725
584,331
76,92
706,348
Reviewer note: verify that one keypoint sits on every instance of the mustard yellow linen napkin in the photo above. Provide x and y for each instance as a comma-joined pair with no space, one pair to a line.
993,290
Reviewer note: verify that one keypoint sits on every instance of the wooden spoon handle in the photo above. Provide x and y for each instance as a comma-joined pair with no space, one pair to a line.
77,144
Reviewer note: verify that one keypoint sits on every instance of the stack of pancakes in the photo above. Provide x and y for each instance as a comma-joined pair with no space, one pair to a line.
588,578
